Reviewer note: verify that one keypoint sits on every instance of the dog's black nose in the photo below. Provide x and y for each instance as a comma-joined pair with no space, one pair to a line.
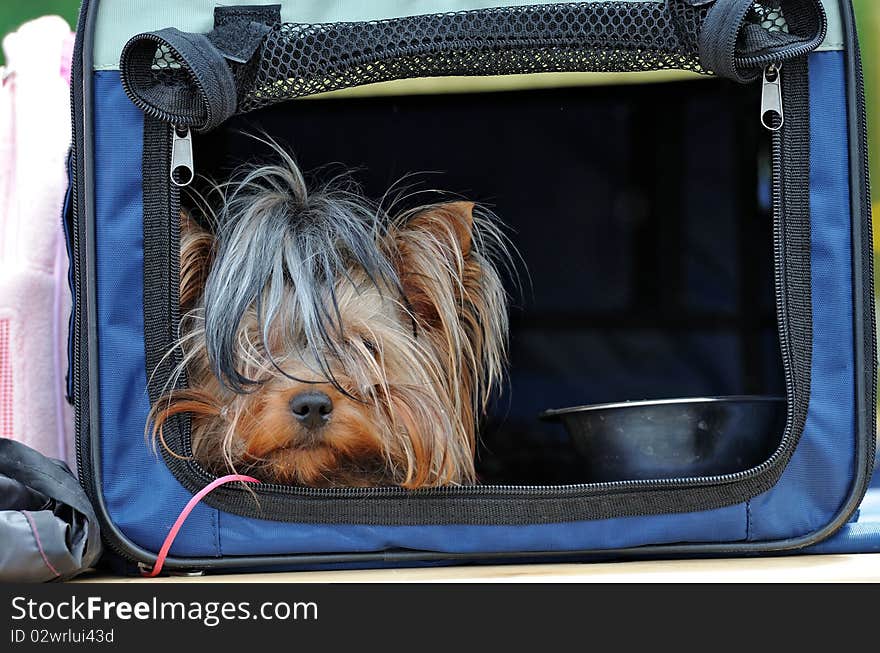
312,408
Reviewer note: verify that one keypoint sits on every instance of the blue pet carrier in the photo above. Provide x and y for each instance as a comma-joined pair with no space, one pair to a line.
687,184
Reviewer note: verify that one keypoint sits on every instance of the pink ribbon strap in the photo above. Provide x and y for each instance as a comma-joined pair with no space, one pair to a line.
201,494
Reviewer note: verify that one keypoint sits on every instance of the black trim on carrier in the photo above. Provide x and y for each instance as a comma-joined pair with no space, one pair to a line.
863,263
82,208
84,335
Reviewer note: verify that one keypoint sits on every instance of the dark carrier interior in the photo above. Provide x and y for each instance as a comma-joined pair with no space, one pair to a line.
641,213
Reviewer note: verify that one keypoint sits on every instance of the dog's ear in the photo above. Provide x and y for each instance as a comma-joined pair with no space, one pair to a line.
432,255
196,251
451,222
455,295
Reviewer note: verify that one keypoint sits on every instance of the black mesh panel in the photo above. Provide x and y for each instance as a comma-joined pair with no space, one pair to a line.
300,59
186,79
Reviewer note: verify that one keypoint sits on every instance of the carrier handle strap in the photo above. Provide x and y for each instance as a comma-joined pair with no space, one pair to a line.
240,66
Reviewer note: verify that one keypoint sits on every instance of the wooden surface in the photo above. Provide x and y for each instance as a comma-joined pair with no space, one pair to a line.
793,569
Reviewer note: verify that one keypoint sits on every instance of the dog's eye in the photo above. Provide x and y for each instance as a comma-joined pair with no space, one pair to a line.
370,345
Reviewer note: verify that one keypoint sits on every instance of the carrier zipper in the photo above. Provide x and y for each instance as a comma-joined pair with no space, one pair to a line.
83,463
863,152
772,77
180,146
182,170
772,112
579,489
777,59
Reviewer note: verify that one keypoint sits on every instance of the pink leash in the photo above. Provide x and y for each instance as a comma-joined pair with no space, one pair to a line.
169,539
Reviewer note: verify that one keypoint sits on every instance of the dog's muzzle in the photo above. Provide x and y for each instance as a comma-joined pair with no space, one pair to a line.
312,409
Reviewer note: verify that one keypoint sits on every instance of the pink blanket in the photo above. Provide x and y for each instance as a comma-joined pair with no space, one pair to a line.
34,296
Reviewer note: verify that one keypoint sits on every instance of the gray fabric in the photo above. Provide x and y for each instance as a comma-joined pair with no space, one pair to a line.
34,547
48,530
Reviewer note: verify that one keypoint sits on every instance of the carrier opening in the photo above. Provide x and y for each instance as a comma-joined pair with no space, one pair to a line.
641,213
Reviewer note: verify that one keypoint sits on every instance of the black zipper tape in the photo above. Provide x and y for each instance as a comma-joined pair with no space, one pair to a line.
83,370
78,347
517,504
725,33
863,258
198,91
67,212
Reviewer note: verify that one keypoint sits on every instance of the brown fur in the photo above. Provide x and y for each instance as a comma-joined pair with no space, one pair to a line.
414,378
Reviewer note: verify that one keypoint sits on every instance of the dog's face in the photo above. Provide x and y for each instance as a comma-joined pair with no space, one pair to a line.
371,407
361,357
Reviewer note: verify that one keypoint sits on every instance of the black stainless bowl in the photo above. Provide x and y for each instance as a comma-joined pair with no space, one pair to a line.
674,438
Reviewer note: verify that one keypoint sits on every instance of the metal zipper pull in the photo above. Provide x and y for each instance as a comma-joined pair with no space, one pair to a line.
772,115
182,168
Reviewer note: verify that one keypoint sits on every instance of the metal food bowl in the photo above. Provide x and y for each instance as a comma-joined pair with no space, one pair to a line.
674,438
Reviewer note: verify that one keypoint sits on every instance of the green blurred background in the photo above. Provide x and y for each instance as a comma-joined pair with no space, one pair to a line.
15,12
868,17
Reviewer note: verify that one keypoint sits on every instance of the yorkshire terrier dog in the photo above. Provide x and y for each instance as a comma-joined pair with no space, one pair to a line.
327,343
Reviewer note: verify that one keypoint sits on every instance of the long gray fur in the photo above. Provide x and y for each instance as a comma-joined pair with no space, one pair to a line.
280,249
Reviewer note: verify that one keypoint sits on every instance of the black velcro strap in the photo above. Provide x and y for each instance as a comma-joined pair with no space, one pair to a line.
238,31
195,89
718,37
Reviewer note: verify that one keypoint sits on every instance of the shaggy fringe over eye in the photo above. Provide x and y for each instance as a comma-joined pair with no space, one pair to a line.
276,279
281,250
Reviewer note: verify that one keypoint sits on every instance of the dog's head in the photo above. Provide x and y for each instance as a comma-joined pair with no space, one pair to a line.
334,345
